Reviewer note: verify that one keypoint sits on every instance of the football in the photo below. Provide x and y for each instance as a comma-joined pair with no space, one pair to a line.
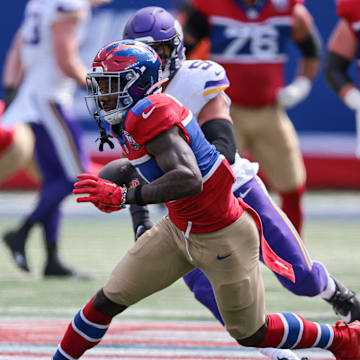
121,172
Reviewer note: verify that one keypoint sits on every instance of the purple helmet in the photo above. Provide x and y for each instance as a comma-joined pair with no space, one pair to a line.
154,25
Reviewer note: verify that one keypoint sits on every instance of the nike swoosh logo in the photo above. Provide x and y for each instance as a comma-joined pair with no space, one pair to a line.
146,115
218,72
242,195
222,257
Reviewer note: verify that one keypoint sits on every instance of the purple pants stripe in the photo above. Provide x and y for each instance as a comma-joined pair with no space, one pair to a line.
310,277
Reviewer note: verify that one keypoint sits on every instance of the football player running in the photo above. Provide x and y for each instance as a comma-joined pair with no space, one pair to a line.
46,46
206,222
200,86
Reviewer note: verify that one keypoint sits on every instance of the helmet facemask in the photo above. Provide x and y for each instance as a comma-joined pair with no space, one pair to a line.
108,94
170,63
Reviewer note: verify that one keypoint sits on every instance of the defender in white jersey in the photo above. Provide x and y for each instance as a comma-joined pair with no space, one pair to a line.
47,50
200,86
196,83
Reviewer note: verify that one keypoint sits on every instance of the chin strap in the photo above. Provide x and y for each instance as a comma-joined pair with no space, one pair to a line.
104,137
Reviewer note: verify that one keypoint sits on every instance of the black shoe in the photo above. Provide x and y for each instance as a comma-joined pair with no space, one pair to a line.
345,303
15,241
56,268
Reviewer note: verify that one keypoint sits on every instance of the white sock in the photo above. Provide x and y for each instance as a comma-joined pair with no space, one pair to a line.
330,289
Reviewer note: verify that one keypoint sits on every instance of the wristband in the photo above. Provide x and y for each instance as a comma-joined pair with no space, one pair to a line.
352,99
138,196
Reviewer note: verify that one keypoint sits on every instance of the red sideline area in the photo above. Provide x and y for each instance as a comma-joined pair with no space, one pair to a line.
322,173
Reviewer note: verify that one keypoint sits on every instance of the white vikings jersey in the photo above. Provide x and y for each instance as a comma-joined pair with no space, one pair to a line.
195,84
43,80
41,69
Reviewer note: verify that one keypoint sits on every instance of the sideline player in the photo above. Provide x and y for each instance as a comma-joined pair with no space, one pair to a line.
248,38
47,47
343,48
163,140
200,86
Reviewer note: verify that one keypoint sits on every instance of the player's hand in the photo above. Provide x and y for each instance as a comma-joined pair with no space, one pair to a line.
106,208
100,192
295,92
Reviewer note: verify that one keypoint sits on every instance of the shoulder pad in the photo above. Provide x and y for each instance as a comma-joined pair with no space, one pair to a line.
153,115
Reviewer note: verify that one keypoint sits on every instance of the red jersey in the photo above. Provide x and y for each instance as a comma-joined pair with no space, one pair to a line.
216,206
250,43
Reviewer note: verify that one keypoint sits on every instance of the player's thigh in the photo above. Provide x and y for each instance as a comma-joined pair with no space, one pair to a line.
277,150
153,263
232,266
19,153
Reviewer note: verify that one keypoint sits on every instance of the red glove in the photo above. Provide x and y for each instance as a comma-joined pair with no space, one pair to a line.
107,208
102,193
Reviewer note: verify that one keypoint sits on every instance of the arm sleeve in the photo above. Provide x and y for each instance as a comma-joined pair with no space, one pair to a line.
335,70
311,45
220,133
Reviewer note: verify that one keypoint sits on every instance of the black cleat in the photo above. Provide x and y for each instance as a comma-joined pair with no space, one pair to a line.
345,303
15,241
56,268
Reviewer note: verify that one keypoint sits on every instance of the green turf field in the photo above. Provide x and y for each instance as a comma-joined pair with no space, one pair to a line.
94,242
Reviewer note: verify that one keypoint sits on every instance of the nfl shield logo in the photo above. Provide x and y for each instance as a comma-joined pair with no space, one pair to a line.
131,141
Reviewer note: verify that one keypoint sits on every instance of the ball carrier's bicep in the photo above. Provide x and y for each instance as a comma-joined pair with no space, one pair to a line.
182,176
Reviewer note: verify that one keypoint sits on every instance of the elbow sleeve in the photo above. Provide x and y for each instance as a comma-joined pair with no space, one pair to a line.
220,133
311,45
335,70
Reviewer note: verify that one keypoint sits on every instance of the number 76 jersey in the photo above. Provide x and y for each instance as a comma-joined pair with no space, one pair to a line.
250,43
